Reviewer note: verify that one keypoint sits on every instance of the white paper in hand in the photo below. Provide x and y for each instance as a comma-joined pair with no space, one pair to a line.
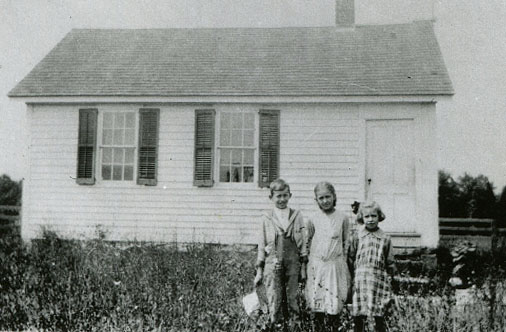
251,304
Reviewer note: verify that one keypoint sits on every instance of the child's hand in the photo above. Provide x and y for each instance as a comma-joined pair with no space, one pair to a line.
258,278
303,273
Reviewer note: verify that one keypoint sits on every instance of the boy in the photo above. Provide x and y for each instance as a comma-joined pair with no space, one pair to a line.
282,255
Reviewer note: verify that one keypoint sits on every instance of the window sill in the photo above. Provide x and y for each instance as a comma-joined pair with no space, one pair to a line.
117,184
237,185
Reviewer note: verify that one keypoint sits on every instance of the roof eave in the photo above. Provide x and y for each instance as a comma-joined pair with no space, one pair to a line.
255,99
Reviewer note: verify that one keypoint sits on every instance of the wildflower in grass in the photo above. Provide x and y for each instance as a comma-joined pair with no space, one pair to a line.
462,254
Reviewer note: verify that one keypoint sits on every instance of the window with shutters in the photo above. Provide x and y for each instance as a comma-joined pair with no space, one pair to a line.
118,145
237,146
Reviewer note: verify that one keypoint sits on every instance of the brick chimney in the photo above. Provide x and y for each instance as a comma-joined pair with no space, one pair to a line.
345,13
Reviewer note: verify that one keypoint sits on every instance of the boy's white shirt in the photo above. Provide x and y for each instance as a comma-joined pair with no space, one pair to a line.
282,217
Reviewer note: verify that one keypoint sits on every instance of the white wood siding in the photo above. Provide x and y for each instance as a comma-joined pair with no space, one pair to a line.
318,142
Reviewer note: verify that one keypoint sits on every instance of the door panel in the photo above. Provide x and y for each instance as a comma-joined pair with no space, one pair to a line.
390,171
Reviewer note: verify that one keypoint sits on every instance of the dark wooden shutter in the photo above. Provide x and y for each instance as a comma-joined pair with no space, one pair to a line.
86,146
148,146
269,147
204,148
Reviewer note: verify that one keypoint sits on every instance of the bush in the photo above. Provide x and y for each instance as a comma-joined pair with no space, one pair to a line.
10,191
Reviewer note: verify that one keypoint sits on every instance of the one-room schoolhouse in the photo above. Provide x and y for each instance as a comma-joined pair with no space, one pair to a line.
175,134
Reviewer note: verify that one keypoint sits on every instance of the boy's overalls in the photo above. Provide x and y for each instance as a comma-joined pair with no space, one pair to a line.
282,268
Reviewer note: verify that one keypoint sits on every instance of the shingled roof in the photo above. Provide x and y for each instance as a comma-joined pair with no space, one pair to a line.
377,60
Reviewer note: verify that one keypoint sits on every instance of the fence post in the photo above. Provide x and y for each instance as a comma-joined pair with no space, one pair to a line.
492,283
493,240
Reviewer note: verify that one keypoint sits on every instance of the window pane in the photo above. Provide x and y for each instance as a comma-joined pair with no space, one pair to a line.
248,157
236,138
129,156
225,137
118,137
130,120
129,136
248,174
129,173
236,175
106,172
108,116
225,157
224,174
249,120
107,155
249,136
116,172
236,157
119,120
236,120
118,156
225,120
107,137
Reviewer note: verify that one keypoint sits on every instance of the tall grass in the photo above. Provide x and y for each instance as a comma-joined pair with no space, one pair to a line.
87,286
59,285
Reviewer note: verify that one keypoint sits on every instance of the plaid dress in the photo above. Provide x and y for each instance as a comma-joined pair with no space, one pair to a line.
370,257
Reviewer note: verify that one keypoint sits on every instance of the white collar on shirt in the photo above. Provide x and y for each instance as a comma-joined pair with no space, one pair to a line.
282,217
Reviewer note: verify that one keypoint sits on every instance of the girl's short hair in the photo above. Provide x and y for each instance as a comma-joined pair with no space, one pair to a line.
369,205
328,186
278,185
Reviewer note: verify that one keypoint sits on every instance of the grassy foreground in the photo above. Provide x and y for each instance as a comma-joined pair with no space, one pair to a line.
58,285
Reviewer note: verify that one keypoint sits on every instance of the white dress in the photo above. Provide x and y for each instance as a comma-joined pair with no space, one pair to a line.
328,278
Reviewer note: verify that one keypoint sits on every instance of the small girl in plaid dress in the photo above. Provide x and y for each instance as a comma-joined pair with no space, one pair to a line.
371,262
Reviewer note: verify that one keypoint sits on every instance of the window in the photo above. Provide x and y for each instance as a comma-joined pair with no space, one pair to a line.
236,146
123,144
117,148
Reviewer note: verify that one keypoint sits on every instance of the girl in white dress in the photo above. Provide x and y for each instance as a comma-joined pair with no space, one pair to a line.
328,277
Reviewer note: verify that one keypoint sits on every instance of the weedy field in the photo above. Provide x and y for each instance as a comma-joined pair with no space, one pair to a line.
60,285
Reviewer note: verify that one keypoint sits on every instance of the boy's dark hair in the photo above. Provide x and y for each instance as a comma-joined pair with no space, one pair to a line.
278,185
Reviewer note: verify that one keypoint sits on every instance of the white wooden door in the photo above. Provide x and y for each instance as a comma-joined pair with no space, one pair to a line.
390,171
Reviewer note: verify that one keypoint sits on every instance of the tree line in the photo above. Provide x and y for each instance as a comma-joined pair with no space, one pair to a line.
10,191
470,197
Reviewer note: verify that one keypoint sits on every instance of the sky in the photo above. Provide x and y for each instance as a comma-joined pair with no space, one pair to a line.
471,34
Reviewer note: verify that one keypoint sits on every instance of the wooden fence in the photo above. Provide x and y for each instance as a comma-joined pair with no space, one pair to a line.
10,218
469,226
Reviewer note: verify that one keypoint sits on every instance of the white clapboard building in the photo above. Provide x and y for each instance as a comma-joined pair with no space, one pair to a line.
175,134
